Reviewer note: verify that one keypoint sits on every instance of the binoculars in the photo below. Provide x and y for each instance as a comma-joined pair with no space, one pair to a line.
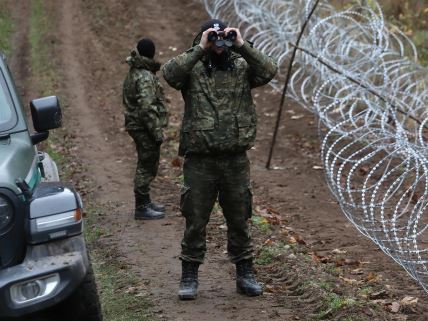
221,39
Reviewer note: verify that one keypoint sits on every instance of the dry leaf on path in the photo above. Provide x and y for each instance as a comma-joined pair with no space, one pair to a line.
176,162
394,307
295,117
409,300
350,281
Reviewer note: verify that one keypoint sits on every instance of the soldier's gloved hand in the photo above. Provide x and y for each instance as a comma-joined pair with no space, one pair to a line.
205,43
239,42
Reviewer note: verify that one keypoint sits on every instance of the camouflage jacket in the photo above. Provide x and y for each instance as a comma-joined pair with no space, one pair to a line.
219,114
143,97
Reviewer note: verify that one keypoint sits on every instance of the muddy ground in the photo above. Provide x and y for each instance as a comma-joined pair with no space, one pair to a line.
89,43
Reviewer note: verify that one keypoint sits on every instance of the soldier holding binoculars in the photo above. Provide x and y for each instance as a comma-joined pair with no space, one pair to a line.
215,77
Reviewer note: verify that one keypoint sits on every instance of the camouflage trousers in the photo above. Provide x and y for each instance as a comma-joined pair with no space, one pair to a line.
148,162
207,178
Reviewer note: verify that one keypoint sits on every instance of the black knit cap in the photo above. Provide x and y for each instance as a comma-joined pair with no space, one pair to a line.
213,23
146,48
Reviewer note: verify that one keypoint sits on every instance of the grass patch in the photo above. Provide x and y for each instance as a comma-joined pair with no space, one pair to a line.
6,27
260,223
333,303
269,253
118,286
40,57
121,297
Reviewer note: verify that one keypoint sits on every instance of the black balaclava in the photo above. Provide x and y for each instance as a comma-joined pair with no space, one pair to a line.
214,60
146,48
213,23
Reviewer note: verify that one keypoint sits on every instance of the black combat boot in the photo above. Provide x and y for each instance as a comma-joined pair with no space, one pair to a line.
189,281
154,206
143,209
246,282
157,207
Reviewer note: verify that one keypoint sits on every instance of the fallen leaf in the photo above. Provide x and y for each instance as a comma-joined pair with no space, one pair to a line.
371,277
176,162
296,238
278,167
377,295
350,281
272,211
269,242
131,290
394,307
352,262
409,300
338,251
357,272
363,170
319,258
295,117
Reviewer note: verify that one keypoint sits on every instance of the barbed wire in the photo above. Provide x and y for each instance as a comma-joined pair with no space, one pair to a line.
360,76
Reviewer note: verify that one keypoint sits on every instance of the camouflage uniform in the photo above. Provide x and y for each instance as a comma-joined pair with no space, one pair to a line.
219,126
145,117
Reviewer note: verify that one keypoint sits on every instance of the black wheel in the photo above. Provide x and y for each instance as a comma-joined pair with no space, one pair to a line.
84,303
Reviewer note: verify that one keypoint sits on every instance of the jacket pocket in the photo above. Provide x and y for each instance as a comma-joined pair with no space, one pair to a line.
246,129
203,124
198,135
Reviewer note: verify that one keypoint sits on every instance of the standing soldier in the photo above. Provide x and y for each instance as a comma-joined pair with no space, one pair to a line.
145,118
219,125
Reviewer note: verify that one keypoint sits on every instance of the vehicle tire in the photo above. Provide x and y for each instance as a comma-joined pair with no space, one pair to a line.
84,303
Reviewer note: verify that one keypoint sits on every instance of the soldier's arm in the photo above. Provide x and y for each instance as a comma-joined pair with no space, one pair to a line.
148,111
262,68
177,71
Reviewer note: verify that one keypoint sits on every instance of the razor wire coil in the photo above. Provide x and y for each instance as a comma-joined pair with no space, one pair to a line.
360,76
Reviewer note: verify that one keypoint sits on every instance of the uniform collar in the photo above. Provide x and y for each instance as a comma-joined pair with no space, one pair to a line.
135,60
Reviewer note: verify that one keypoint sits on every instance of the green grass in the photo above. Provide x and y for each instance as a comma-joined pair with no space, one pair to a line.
261,223
333,303
118,286
41,57
6,27
269,253
365,291
121,297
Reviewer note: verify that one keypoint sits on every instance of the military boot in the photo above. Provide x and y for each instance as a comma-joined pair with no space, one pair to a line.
154,206
246,282
143,209
157,207
189,281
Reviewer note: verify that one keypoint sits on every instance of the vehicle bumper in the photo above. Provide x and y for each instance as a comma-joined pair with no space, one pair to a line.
67,258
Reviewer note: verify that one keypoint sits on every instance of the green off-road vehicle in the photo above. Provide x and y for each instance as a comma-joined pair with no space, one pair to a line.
44,265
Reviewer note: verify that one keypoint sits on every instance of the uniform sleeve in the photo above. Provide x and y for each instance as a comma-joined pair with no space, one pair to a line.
262,67
176,71
148,111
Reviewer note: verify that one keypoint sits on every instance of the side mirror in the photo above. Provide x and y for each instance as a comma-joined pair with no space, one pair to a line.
46,114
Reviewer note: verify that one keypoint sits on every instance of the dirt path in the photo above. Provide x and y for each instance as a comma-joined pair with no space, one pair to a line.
96,37
109,157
